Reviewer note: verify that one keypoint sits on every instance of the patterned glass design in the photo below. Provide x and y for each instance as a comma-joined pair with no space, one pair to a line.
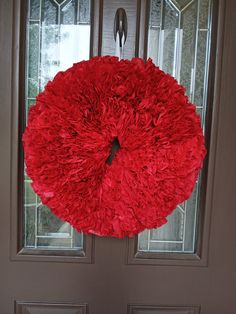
179,36
58,35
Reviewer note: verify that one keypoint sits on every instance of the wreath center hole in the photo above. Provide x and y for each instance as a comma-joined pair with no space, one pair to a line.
114,149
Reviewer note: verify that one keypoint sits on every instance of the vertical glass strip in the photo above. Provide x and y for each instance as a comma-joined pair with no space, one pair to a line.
170,22
188,25
200,68
34,9
154,30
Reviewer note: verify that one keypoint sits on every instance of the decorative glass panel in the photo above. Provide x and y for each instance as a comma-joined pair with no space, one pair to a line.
58,35
179,33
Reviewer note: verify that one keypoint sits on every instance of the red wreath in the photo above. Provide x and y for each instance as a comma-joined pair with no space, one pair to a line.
113,146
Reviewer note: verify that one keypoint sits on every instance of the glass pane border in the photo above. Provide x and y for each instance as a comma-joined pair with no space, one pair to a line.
17,251
200,256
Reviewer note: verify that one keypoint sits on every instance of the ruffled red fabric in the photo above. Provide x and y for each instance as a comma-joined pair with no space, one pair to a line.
70,134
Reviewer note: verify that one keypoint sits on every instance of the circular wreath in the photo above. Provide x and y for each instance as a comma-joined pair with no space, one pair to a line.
113,146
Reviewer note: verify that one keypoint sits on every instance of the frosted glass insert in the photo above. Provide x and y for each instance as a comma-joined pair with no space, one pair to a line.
34,10
155,13
203,14
170,22
33,56
171,232
49,12
199,92
154,30
84,11
58,35
188,25
68,13
178,42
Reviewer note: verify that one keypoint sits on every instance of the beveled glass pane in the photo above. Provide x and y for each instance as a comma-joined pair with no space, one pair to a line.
84,12
29,226
49,12
30,102
50,57
58,35
172,231
30,197
53,243
199,92
178,42
153,42
201,113
155,13
165,247
191,221
154,30
168,236
68,15
188,25
167,50
34,11
49,225
56,38
147,244
33,58
204,14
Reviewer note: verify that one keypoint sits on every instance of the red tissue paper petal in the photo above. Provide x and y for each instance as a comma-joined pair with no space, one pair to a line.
69,138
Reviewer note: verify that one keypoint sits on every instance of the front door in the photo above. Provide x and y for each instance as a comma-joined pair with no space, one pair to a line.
184,267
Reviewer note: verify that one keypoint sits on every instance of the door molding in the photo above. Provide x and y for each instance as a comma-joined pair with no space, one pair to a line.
48,308
155,309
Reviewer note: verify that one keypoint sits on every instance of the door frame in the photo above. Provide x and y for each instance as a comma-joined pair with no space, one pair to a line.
17,125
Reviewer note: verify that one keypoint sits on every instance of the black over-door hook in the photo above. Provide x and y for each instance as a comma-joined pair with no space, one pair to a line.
120,25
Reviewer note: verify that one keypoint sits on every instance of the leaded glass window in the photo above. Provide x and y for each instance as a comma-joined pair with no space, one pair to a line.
58,35
178,42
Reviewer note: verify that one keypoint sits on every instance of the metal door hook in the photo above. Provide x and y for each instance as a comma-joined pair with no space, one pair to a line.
120,26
